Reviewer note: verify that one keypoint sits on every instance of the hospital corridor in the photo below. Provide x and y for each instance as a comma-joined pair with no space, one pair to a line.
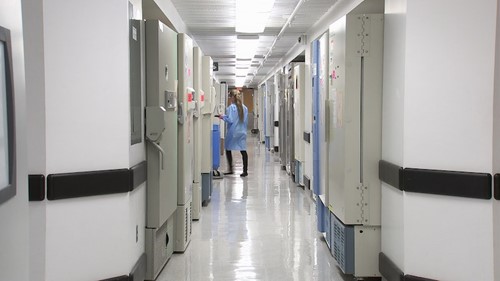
364,137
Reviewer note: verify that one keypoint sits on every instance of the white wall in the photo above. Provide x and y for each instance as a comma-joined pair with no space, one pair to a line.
392,128
86,69
438,91
496,147
14,216
448,126
35,101
82,69
439,55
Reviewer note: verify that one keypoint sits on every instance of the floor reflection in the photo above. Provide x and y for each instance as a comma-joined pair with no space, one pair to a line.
261,227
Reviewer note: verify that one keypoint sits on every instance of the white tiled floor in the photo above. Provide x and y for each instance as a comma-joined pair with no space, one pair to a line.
261,227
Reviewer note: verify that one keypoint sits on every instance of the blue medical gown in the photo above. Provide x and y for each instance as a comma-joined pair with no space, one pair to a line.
236,135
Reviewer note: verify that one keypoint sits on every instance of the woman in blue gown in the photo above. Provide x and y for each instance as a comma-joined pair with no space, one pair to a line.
236,136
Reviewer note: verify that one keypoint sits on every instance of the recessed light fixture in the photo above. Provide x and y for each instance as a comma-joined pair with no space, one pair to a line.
252,15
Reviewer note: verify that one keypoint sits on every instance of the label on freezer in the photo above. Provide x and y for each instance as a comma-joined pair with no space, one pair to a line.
134,33
338,108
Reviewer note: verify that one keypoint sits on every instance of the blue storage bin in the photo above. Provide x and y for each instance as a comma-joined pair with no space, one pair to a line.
215,147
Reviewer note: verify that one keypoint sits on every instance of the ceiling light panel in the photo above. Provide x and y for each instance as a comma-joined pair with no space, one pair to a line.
252,15
246,47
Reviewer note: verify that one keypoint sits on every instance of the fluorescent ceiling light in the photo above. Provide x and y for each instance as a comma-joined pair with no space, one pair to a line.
246,46
241,71
240,81
243,64
252,15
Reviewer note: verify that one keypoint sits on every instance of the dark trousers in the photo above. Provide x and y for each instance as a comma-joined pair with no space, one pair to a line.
244,155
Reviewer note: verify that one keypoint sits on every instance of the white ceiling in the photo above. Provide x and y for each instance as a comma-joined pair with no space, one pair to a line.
211,23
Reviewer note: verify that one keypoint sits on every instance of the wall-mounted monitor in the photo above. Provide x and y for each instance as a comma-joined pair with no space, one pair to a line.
7,137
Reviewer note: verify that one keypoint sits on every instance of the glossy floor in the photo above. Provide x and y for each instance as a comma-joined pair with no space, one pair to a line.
261,227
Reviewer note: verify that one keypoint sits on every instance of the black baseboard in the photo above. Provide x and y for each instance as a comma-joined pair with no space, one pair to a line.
138,272
118,278
388,269
307,182
391,272
416,278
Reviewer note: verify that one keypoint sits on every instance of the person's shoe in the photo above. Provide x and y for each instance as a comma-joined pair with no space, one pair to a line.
228,173
244,174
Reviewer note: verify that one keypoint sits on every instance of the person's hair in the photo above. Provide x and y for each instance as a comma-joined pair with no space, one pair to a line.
239,104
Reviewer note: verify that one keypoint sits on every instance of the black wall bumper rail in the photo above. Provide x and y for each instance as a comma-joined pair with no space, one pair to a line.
138,175
36,187
391,174
497,186
440,182
451,183
83,184
391,272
